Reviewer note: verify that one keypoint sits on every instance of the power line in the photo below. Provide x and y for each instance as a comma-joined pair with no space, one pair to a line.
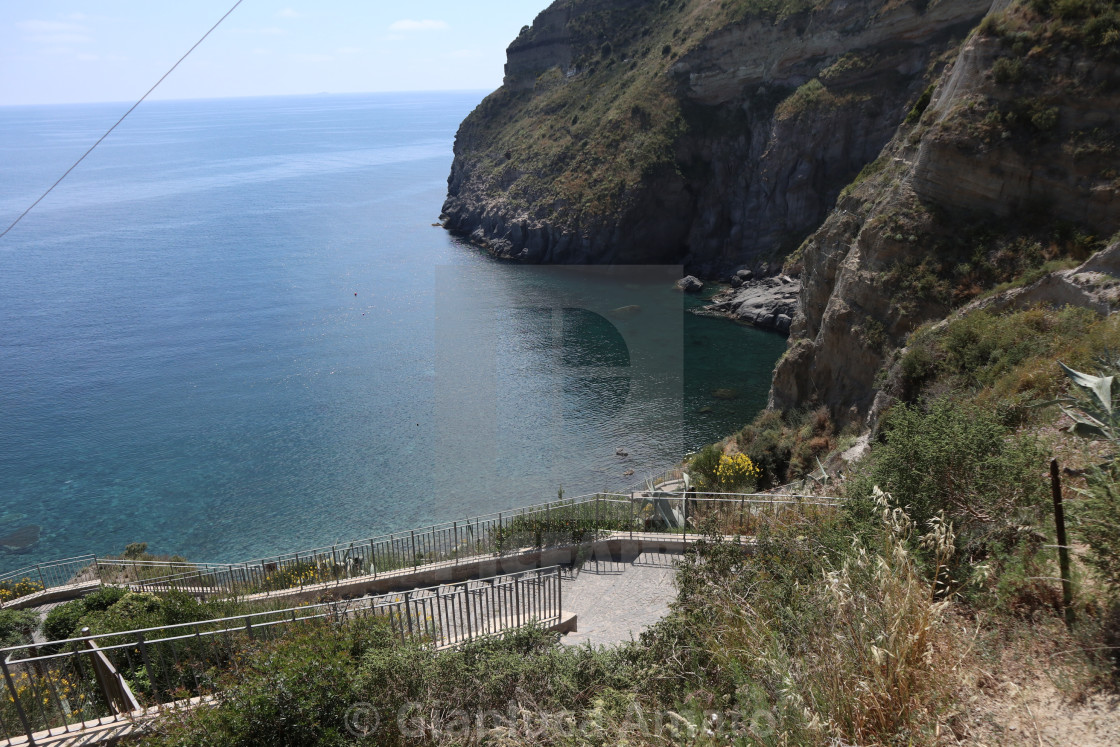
107,132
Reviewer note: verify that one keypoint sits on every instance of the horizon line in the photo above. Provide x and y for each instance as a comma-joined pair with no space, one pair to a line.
253,96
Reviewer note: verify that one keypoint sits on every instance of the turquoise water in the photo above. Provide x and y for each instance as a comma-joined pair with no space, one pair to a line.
234,331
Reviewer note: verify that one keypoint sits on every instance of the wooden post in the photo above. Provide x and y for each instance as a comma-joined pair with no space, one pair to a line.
1063,544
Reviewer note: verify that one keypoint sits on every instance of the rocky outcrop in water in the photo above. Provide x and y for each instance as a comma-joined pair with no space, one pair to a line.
769,303
20,540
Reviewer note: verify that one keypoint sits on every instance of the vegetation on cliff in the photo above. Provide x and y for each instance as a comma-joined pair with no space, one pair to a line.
646,132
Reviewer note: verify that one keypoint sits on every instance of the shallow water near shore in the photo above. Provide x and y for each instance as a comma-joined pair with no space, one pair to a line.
233,331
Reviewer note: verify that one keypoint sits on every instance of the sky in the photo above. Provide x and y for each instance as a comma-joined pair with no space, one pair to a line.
70,51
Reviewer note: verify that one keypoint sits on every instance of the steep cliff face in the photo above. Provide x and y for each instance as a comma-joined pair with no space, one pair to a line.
710,134
1015,161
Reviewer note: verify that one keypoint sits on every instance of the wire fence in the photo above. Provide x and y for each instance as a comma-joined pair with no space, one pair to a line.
69,686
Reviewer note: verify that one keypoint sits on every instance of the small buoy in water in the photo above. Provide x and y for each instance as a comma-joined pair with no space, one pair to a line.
355,294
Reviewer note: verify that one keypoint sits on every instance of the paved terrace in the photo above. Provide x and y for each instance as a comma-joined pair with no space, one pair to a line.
614,601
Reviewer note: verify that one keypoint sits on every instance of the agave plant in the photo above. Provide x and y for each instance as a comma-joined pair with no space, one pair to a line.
1090,405
1095,414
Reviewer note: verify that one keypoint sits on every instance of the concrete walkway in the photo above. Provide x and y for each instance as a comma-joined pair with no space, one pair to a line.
614,601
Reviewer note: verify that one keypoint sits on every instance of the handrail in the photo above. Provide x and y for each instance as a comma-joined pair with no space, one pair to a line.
27,572
95,678
381,553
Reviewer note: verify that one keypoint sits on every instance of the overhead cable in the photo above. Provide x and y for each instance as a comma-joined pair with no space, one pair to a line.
107,132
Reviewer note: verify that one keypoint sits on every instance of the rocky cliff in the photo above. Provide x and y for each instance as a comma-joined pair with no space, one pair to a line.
1015,161
902,158
715,135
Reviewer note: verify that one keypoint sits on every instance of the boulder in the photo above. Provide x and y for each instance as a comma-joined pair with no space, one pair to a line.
690,284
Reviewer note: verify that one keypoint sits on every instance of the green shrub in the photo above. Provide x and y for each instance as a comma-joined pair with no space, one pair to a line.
786,446
1007,70
63,621
958,459
136,550
920,105
1002,360
295,691
704,467
16,627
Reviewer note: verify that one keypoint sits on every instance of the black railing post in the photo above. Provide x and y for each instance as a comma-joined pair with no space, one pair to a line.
408,611
684,523
414,561
455,527
42,581
1063,544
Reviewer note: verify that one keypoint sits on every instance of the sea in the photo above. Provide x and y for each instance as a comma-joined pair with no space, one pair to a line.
234,331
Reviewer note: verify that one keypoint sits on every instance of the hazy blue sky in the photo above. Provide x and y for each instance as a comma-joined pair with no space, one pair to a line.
55,51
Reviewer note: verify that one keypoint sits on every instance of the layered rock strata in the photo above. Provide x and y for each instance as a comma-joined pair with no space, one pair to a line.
1027,146
687,132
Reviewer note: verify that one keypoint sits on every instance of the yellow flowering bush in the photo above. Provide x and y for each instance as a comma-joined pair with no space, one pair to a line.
297,574
736,471
52,698
13,590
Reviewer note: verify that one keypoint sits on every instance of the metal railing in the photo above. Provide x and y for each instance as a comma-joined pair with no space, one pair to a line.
68,686
41,576
562,523
123,571
570,521
502,533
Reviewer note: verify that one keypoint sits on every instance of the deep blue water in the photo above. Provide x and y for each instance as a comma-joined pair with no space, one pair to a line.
234,331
